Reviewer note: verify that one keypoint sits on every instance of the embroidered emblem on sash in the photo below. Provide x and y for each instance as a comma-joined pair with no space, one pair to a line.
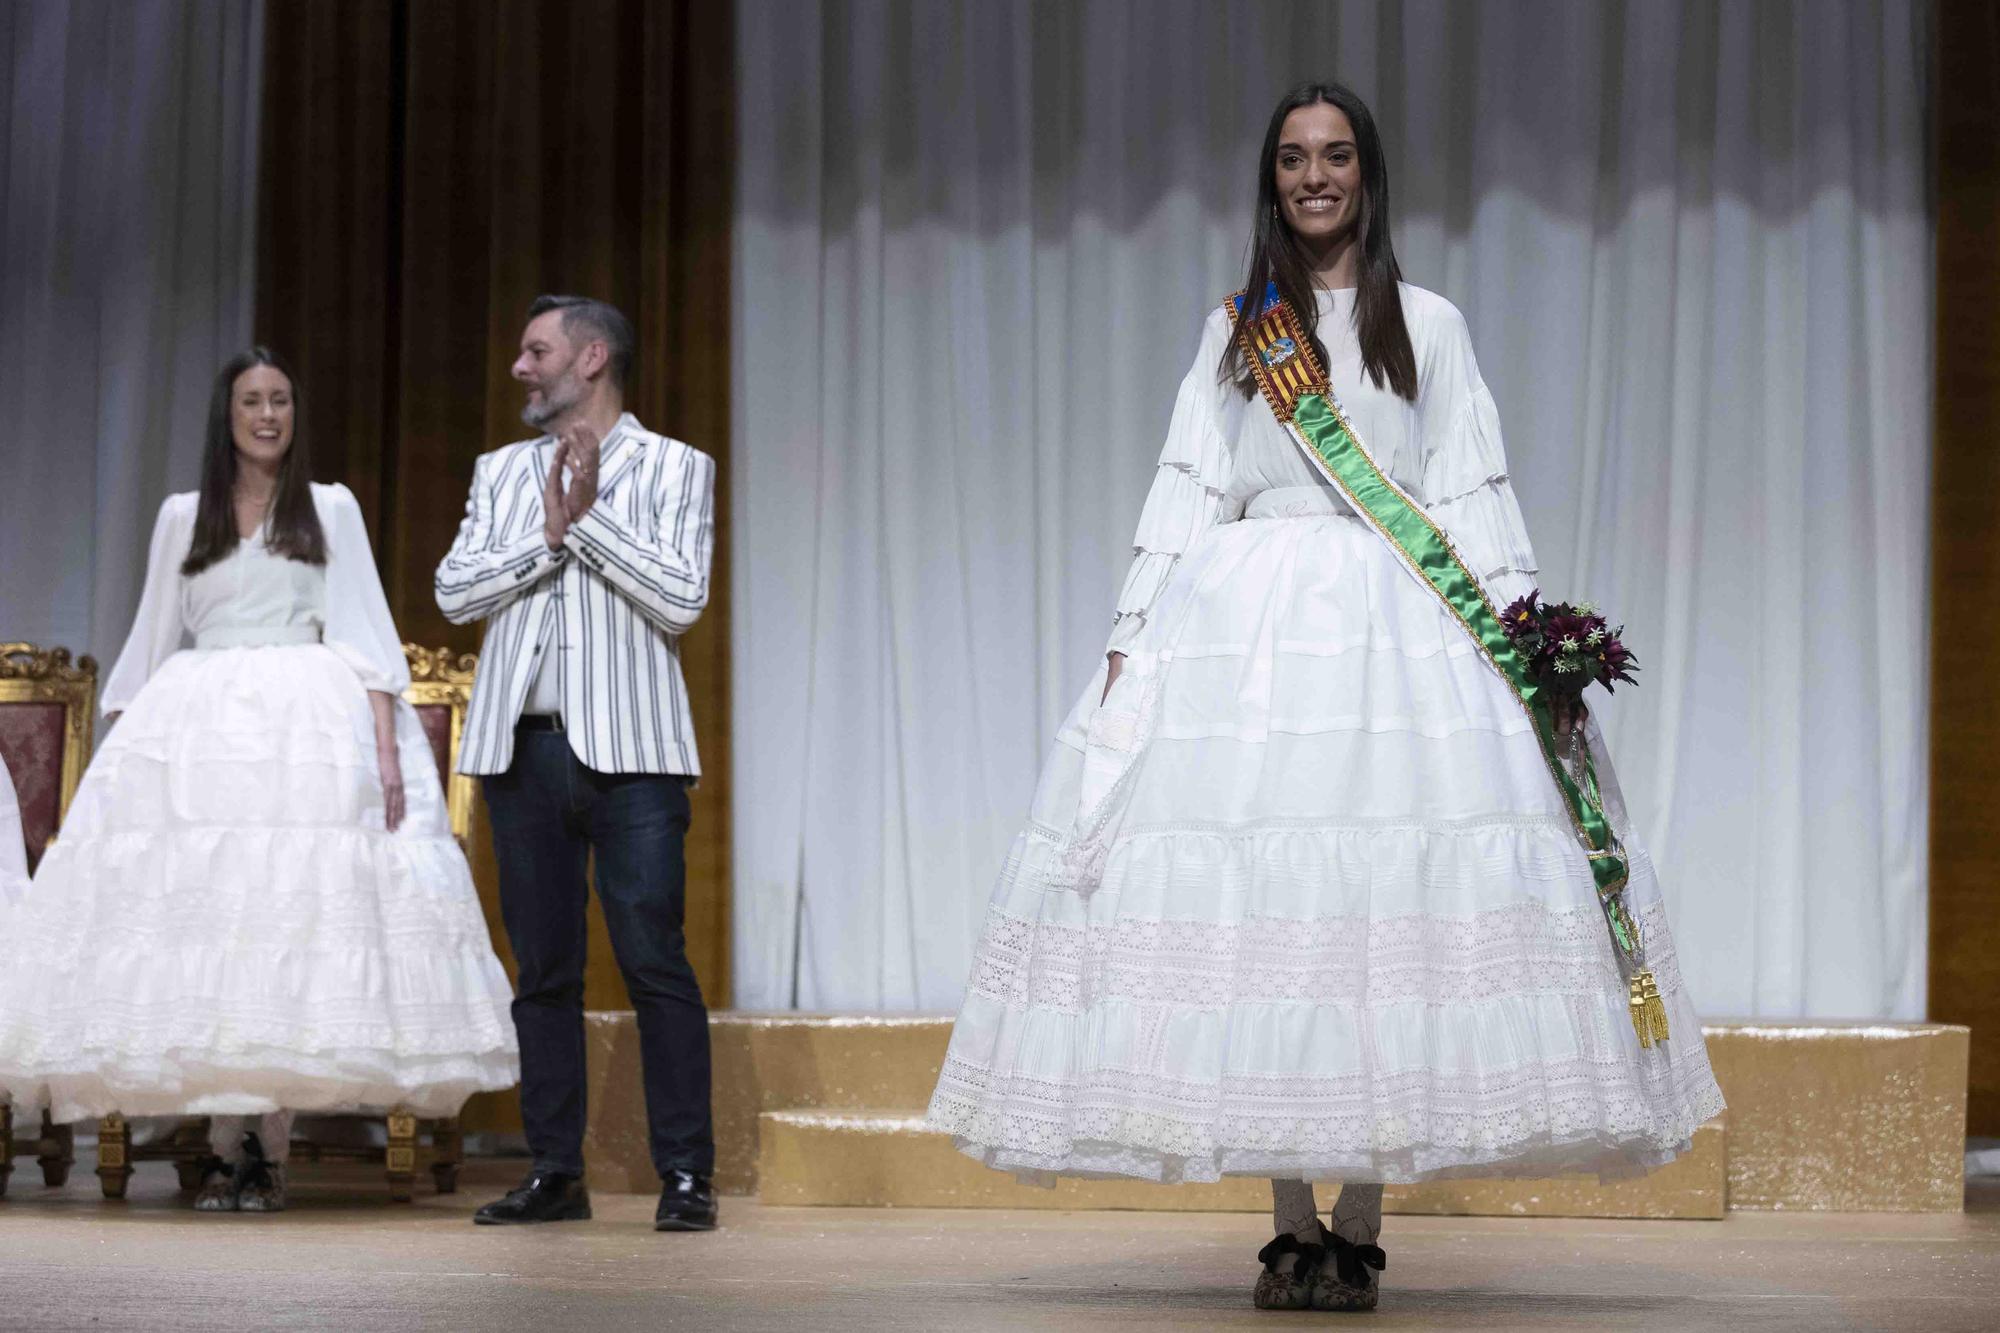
1281,357
1279,350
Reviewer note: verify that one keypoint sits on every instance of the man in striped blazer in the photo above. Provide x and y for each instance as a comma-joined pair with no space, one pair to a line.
587,552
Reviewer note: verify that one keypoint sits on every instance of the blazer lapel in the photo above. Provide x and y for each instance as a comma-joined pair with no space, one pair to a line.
625,451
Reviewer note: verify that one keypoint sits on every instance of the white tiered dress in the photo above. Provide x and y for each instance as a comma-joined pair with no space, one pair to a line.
1301,899
224,925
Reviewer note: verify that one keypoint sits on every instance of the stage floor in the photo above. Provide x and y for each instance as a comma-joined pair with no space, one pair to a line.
344,1258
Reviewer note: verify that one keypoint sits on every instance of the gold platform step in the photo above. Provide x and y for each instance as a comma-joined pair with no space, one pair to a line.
1844,1117
887,1159
761,1062
1852,1117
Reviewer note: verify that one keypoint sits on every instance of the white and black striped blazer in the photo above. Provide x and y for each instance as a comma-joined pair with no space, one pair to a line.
606,608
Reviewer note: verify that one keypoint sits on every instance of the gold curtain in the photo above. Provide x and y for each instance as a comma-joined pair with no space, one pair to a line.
427,168
1965,549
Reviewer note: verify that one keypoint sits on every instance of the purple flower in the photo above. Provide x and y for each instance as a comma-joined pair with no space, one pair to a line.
1564,623
1522,616
1615,661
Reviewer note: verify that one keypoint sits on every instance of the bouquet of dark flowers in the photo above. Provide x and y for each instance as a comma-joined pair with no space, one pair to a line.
1568,647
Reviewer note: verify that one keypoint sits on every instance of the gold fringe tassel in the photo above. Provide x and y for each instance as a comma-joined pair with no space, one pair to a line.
1649,1011
1656,1009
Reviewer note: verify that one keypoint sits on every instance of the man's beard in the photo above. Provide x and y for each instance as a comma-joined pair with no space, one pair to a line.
557,399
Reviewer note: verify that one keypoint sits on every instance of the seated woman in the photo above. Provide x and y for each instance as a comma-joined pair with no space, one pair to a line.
256,906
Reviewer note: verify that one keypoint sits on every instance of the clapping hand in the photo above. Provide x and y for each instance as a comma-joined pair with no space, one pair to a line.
581,446
555,509
578,449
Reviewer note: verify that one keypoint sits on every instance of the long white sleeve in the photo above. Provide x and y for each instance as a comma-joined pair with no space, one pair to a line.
158,628
1465,484
1187,496
358,627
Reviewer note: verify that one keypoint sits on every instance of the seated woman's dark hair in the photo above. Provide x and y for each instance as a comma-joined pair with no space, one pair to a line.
295,532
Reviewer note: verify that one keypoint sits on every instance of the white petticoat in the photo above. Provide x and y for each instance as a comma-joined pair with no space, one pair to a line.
1302,900
224,926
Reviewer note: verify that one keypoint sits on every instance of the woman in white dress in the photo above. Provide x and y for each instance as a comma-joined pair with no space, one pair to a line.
1299,896
256,906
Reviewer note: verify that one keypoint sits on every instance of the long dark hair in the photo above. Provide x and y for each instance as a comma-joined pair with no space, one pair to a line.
295,530
1277,256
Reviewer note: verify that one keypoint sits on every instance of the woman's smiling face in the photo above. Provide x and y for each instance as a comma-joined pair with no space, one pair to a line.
1318,174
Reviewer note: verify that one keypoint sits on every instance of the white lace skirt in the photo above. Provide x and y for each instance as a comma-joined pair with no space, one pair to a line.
1302,900
225,927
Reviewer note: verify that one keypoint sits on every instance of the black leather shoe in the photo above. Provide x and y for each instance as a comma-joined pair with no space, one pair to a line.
545,1196
687,1203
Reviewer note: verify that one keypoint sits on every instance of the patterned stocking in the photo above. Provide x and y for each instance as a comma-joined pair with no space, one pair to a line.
1294,1210
1357,1214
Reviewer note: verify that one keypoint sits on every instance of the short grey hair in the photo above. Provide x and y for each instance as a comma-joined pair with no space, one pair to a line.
599,319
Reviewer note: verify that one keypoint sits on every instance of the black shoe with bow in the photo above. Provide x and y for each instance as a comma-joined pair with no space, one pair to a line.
1290,1268
545,1196
1347,1280
687,1203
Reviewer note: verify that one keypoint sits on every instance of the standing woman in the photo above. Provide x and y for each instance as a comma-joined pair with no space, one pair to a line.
1304,893
256,906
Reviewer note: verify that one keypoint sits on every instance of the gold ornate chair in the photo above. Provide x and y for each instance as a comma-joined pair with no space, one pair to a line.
440,688
48,706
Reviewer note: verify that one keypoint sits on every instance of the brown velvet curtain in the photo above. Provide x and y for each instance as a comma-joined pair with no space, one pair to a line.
1965,549
427,168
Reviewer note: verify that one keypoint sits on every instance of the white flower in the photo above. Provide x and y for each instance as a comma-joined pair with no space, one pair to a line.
1568,664
1587,609
1594,638
1569,644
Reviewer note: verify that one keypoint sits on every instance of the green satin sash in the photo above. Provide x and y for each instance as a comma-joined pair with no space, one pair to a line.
1300,396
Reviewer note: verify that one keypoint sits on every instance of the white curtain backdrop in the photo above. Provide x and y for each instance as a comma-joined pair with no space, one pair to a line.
974,246
127,271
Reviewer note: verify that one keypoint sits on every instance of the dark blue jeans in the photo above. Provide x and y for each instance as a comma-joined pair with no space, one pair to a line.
549,812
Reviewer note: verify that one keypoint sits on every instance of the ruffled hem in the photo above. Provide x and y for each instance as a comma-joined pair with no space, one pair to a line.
259,1081
1607,1157
1391,998
1519,1083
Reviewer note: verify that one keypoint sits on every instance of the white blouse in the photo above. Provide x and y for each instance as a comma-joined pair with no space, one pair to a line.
1223,450
253,596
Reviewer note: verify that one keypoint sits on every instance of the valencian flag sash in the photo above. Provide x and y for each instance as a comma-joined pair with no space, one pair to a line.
1295,385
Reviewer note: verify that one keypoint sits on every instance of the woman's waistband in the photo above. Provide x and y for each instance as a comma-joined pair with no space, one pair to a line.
1298,502
255,636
